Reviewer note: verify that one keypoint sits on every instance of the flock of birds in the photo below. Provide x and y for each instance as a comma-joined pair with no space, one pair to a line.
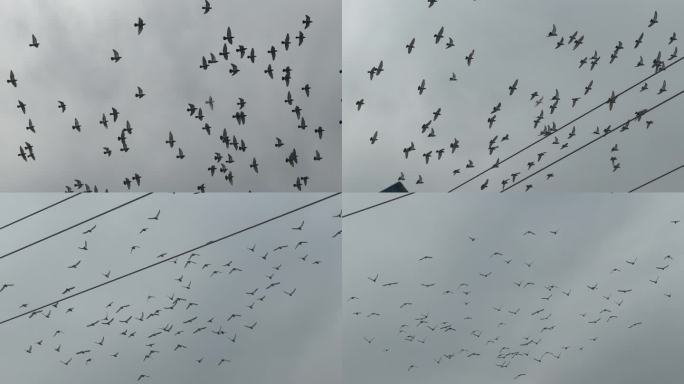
484,326
220,164
438,146
179,323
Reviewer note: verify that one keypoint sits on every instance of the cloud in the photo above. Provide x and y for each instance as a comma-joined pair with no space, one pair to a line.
291,332
596,233
72,64
510,43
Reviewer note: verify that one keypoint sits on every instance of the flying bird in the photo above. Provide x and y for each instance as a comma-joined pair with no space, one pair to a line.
12,80
140,24
34,41
116,56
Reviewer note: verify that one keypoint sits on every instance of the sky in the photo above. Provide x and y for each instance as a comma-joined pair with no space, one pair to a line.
595,233
72,64
296,339
510,42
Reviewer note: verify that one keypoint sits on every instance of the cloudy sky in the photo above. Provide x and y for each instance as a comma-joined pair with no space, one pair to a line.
510,43
72,64
595,234
296,338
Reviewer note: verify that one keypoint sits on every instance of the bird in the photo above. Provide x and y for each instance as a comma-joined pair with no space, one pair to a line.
139,24
104,121
155,217
513,87
140,93
439,35
663,88
553,32
251,326
229,36
639,40
307,21
611,100
116,57
299,228
641,62
286,42
206,7
421,87
170,141
34,41
22,153
654,19
114,114
12,80
470,57
410,46
21,105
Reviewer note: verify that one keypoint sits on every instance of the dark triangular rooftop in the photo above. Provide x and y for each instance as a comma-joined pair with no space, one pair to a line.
395,188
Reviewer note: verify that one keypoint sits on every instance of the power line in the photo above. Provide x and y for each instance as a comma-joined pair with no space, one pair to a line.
564,126
378,204
592,141
170,258
39,211
74,226
657,178
549,165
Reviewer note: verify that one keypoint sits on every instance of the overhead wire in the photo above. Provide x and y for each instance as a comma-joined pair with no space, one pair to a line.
605,134
73,226
39,211
564,126
167,259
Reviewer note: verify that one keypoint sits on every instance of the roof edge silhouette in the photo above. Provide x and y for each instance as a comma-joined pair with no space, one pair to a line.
397,187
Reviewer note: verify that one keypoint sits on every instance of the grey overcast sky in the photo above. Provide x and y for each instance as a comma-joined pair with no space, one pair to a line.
72,64
510,42
296,339
492,316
